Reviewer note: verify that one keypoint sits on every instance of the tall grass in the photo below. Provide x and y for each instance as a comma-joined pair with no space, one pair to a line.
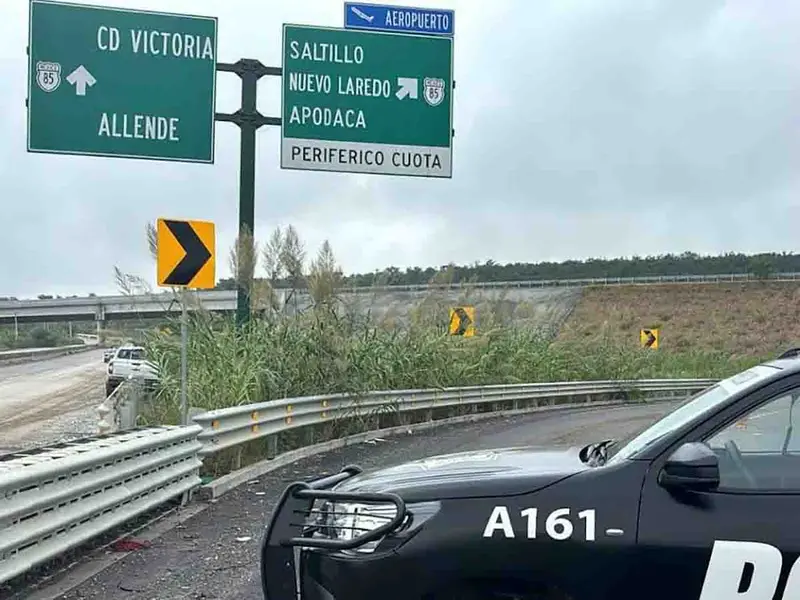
333,347
324,351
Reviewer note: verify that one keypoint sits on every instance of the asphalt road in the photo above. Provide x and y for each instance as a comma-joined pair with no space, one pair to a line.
49,400
202,558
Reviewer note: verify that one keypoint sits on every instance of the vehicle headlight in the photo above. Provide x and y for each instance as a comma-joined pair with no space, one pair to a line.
349,520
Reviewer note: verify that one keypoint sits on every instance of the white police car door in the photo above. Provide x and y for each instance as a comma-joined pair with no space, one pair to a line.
740,541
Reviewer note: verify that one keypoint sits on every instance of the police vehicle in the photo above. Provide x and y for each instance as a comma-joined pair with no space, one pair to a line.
704,504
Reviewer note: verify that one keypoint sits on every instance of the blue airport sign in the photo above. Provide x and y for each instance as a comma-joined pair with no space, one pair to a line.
399,19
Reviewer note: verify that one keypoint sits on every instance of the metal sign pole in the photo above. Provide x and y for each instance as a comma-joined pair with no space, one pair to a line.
249,120
185,260
184,360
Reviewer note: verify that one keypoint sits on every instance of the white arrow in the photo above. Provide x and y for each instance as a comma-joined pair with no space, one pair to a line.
80,78
407,86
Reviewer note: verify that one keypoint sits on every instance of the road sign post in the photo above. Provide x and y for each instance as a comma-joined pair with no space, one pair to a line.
123,83
249,120
185,258
367,102
405,19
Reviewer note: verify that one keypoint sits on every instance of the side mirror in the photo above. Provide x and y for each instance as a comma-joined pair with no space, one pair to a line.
692,467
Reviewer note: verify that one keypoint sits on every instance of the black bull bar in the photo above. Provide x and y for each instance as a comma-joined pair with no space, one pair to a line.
288,532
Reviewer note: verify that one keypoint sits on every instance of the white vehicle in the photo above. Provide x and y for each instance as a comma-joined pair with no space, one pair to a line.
129,362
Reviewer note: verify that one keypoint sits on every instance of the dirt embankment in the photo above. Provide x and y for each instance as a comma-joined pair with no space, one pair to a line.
742,319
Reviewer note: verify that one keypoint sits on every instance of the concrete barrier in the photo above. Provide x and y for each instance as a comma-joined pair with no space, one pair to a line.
11,357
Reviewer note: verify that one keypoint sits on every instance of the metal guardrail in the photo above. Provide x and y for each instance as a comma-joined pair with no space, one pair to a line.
166,298
55,499
228,427
580,282
31,353
119,410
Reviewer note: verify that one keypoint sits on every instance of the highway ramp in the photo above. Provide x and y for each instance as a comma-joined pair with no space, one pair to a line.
202,558
47,401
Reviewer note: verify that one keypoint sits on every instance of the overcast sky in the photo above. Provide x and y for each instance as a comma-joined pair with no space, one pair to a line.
583,128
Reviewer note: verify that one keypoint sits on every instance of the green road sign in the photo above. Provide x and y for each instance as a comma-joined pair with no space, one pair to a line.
128,83
366,102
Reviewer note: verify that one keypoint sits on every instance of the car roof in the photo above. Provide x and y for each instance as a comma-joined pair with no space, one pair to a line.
790,364
783,367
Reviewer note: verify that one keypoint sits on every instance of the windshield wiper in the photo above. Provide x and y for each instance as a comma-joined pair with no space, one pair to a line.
597,453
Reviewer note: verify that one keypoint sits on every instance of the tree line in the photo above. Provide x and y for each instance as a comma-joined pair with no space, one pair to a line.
283,259
688,263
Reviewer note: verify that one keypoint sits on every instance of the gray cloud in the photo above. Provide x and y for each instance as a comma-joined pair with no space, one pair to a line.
583,128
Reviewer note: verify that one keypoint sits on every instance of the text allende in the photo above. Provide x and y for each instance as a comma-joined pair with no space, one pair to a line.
139,127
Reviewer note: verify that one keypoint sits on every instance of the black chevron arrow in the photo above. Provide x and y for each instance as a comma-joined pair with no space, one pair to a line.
650,338
196,257
463,321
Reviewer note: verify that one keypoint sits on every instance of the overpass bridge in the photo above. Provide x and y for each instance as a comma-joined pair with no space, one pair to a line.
150,306
111,308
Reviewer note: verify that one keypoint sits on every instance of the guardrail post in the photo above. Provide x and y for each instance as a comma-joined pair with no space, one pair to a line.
129,406
272,446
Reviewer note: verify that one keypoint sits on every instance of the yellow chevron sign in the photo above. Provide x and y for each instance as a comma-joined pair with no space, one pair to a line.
462,321
648,338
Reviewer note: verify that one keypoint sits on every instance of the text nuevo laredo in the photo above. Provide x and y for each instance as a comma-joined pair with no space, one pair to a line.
315,83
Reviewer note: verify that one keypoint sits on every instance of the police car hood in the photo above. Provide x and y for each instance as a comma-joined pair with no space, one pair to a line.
497,472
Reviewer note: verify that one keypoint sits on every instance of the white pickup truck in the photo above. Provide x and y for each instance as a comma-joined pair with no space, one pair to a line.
129,362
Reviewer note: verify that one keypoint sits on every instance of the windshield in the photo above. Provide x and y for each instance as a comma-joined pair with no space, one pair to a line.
695,407
131,354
